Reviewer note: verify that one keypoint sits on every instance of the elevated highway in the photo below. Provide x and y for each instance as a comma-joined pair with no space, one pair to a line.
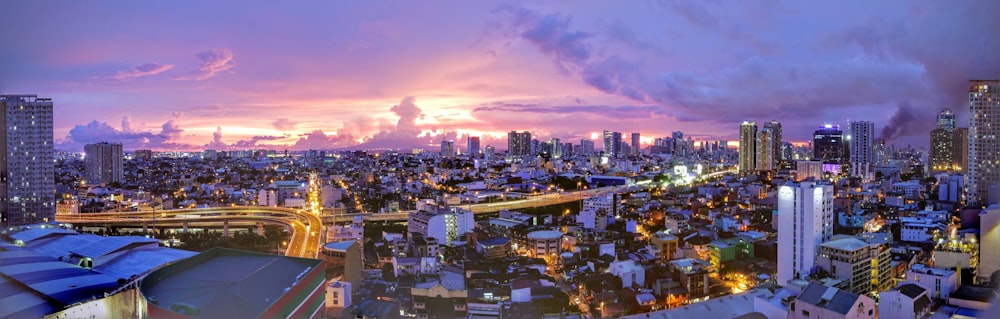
306,228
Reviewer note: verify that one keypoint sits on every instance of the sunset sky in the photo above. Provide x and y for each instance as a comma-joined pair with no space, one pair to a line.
191,75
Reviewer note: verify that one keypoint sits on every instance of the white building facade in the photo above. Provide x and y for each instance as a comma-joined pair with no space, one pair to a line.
805,220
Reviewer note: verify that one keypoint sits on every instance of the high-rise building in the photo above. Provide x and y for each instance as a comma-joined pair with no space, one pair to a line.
103,163
518,144
612,143
488,152
27,173
775,128
555,148
448,148
765,149
942,146
748,147
828,144
984,128
586,147
861,141
946,120
635,144
989,249
472,145
805,220
960,154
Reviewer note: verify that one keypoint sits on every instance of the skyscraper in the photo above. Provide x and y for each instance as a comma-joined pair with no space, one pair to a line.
828,144
448,148
635,144
103,163
518,144
805,220
612,143
960,154
27,174
984,128
862,141
555,148
748,147
586,147
765,149
472,145
776,141
943,142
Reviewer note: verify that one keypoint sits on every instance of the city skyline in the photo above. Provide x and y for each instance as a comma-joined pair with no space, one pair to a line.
352,76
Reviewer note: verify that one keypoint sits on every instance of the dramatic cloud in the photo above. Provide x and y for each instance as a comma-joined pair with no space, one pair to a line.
138,71
213,62
96,132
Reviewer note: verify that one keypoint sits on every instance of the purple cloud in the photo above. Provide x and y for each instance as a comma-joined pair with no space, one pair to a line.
147,69
284,124
96,131
213,62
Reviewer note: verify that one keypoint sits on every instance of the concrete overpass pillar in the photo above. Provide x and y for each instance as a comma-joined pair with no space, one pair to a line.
225,227
185,227
145,228
260,228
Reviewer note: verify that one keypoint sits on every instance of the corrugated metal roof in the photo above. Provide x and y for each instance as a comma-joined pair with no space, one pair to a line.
107,245
38,233
61,281
138,261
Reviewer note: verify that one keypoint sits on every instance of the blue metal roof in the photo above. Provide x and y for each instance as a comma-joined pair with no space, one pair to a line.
38,233
339,245
107,245
58,280
138,261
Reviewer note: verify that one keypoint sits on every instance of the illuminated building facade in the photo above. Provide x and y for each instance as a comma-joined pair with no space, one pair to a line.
984,129
748,147
27,173
805,220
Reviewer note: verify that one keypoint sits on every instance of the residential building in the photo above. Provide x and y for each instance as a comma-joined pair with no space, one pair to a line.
448,149
828,144
765,149
805,220
446,225
960,155
942,152
27,188
863,265
748,147
518,145
989,246
861,140
808,169
586,147
344,258
984,148
725,250
776,142
907,301
338,297
103,163
446,297
939,283
693,276
819,301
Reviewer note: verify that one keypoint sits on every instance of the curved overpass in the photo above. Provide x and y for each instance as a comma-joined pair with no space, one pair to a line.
305,227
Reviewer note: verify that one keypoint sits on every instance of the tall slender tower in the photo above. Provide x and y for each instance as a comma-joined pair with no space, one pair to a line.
635,144
776,141
765,149
27,175
748,147
805,220
984,147
942,154
862,140
472,145
612,143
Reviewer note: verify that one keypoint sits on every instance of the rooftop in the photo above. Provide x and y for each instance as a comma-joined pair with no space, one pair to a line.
728,307
339,245
226,283
35,285
834,299
545,234
845,244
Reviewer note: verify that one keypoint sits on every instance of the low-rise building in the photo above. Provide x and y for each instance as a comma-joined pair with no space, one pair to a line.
819,301
907,301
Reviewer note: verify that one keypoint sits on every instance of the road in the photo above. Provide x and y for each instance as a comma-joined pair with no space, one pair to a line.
306,227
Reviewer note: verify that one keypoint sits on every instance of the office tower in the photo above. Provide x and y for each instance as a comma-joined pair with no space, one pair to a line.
787,154
447,148
586,147
828,144
765,149
518,144
946,120
943,142
103,163
555,148
488,152
748,147
805,220
960,153
775,128
27,179
567,149
612,143
861,140
984,148
472,145
635,144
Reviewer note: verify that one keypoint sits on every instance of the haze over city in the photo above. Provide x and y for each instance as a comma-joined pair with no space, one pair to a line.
354,75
